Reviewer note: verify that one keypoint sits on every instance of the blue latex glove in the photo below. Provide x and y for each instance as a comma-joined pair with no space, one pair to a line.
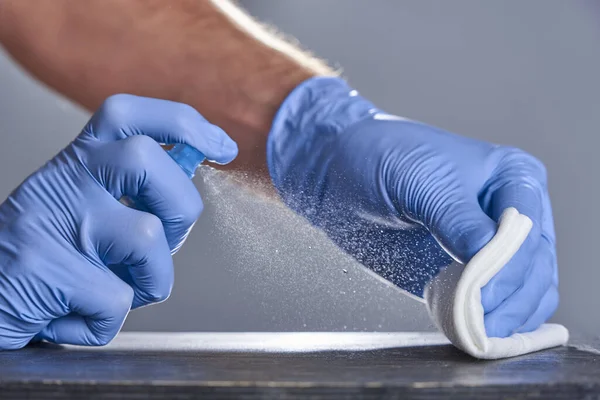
395,193
73,259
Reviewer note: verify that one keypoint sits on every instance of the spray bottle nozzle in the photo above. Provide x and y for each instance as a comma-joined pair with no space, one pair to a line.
187,157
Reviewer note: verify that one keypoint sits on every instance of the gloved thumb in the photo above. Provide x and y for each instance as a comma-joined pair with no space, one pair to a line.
462,229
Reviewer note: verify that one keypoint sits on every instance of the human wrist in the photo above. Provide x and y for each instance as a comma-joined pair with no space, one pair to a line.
5,19
248,99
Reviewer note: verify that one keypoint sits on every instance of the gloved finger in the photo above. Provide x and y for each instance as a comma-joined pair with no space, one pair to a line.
124,115
519,185
547,307
462,228
511,277
513,312
132,243
98,309
548,233
137,167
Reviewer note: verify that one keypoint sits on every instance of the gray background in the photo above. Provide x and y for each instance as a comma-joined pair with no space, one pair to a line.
523,73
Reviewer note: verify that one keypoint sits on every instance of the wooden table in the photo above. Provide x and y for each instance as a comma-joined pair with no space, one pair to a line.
292,365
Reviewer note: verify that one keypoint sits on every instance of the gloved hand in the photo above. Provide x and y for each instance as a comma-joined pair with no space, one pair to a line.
73,259
402,197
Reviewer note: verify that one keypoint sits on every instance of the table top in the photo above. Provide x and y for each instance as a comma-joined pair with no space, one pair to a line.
293,365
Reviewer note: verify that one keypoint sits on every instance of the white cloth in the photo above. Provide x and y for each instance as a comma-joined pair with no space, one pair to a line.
454,298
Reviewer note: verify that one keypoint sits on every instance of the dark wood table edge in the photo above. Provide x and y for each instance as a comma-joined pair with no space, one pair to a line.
291,390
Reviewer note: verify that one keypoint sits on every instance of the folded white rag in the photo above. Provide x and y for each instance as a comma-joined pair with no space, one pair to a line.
454,298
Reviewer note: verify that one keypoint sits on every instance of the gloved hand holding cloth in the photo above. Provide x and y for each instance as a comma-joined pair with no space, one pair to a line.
407,200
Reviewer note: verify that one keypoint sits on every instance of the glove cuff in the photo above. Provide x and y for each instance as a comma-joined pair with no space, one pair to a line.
312,115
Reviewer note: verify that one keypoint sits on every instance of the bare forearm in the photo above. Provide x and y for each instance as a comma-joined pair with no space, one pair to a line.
194,51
